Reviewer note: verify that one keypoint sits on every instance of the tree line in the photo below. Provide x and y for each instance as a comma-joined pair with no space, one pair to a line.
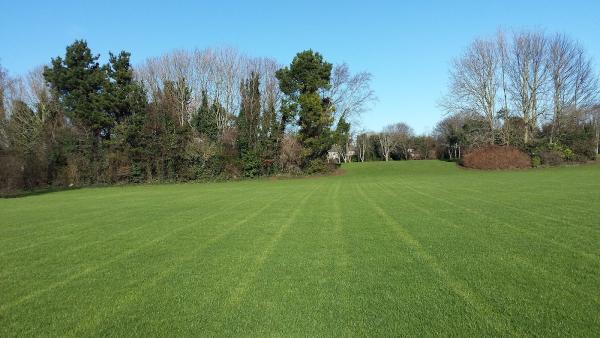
187,115
530,90
208,114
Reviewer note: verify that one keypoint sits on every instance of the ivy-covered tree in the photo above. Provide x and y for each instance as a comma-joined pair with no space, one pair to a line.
3,80
248,124
303,83
167,138
270,137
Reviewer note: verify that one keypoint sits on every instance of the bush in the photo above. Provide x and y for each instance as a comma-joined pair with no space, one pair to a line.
497,157
555,154
536,161
584,150
251,164
320,166
136,173
11,173
550,157
290,156
568,154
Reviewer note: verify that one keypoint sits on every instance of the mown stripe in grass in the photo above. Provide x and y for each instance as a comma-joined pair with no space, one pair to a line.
465,192
90,325
70,267
113,260
592,257
500,324
475,235
80,221
240,290
206,294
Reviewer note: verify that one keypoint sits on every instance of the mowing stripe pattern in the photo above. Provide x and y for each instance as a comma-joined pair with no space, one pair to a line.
413,248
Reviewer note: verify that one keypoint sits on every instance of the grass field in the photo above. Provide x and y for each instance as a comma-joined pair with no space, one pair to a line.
405,248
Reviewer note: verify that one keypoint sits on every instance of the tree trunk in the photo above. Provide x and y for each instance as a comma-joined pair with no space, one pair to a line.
597,139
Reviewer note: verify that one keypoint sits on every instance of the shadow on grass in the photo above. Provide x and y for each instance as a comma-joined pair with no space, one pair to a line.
19,194
43,191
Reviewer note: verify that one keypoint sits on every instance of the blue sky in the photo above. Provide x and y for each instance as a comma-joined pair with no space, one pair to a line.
406,46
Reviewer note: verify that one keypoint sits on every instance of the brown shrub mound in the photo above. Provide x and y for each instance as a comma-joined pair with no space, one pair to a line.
497,157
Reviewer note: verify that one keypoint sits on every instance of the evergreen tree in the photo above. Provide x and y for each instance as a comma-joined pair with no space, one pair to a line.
268,119
248,125
342,133
249,116
167,137
204,121
80,83
269,135
302,82
125,96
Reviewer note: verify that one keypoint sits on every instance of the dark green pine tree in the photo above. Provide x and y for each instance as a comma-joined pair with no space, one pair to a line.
80,83
342,132
302,82
204,121
125,96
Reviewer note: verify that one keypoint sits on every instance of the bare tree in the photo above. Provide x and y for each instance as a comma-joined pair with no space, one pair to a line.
362,143
347,148
561,64
528,74
290,158
585,88
387,142
3,88
3,85
217,71
474,82
403,134
395,136
28,98
595,118
502,54
350,94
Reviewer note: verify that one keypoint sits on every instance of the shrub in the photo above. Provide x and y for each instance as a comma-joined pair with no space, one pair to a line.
136,173
11,173
568,154
550,157
290,156
251,164
536,161
320,166
555,154
497,157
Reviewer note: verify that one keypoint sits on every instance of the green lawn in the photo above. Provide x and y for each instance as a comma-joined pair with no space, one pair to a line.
405,248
